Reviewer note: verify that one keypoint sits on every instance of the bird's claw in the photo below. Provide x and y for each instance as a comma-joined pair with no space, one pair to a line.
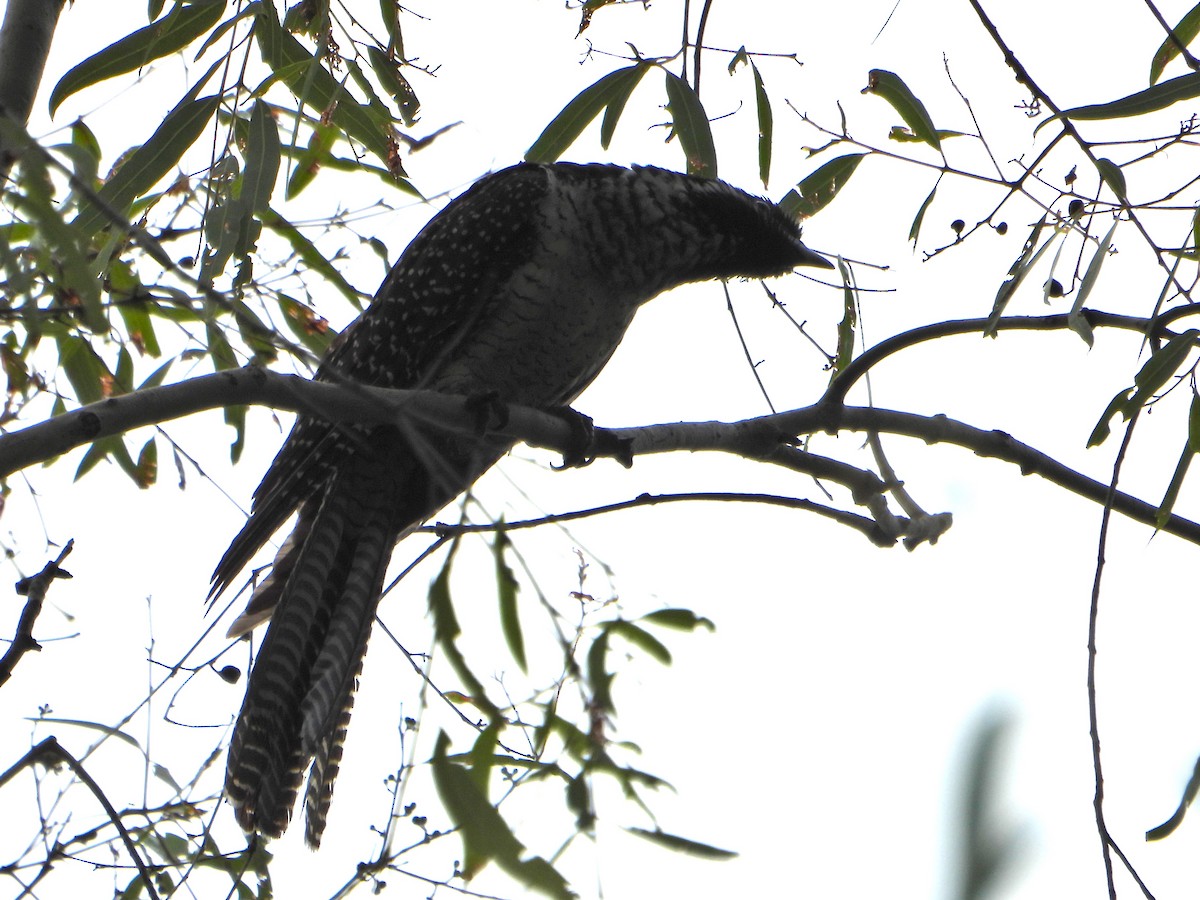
588,442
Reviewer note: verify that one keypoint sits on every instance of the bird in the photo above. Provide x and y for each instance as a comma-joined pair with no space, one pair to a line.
520,290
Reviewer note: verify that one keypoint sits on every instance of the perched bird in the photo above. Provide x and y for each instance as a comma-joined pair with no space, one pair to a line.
520,290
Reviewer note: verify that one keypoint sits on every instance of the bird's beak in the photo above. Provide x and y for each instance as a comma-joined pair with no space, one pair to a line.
809,258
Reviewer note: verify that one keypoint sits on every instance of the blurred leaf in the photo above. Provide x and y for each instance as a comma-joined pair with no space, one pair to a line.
147,465
483,756
579,801
817,191
170,34
1189,794
892,88
680,619
315,156
598,675
486,836
611,90
506,590
446,631
1184,33
148,164
85,370
690,123
641,639
986,847
682,845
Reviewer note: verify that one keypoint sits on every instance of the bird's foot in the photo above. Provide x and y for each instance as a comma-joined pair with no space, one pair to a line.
587,441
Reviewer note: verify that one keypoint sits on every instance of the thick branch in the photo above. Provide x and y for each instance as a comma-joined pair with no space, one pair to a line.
24,44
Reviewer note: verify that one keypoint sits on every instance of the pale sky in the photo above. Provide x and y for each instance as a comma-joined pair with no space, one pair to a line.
818,732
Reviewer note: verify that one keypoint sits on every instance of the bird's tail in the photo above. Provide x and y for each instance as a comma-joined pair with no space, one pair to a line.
329,577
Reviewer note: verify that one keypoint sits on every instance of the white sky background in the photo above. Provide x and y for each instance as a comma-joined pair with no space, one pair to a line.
818,731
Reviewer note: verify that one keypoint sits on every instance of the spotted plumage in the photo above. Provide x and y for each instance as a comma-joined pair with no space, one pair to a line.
520,289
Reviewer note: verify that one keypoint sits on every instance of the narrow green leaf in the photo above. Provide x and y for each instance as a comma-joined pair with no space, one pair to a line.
915,231
817,191
486,836
1161,366
1163,514
682,844
1021,267
311,256
892,88
902,135
641,639
85,370
312,330
123,378
387,70
149,163
583,108
579,801
1194,425
446,631
690,123
845,342
262,158
313,85
506,590
315,157
1152,99
157,376
1075,321
483,756
390,12
1118,404
1113,177
598,675
766,126
621,91
170,34
1185,32
679,619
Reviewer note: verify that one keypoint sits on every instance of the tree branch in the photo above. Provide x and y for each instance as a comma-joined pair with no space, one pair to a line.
35,589
24,44
767,438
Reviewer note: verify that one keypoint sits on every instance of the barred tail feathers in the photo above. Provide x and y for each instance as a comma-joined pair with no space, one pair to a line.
300,692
